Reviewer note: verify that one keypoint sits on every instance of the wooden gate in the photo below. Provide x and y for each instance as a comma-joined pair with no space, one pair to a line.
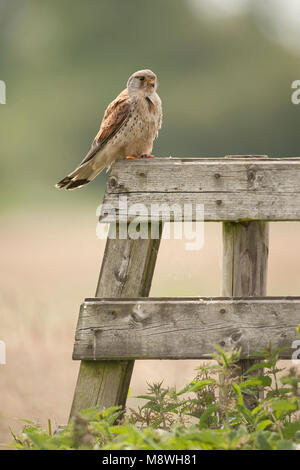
121,324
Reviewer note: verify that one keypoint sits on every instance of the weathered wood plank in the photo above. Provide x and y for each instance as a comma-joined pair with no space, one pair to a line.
218,207
174,175
230,189
183,328
126,270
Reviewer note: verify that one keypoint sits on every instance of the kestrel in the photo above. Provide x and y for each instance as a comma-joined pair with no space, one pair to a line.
128,128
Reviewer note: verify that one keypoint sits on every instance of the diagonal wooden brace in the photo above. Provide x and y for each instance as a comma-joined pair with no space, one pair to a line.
127,271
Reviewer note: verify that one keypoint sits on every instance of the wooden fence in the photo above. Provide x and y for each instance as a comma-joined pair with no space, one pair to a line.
120,324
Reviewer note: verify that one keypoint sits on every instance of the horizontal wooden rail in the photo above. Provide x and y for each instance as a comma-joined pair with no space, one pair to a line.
184,328
231,189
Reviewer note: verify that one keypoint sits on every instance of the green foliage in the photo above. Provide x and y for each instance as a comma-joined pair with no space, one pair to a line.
208,413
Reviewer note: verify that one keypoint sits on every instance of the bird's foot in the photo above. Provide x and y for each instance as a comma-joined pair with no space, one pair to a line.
134,157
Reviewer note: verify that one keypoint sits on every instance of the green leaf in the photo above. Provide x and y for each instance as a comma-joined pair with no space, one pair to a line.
239,393
110,411
260,365
276,353
171,407
246,413
285,405
262,381
264,424
207,414
285,445
256,410
216,438
290,380
146,397
29,422
196,386
223,354
262,442
39,439
118,429
284,390
90,413
290,430
152,406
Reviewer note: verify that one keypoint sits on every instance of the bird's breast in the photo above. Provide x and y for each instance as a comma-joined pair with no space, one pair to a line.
147,116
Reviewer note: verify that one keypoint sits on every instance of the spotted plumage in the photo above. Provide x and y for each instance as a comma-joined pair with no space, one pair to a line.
129,126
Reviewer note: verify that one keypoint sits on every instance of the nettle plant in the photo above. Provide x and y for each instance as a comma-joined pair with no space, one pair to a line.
208,413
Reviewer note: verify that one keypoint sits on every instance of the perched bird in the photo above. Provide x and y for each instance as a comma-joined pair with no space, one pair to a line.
128,128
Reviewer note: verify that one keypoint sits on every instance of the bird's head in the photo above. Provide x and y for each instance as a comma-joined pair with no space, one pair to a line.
142,81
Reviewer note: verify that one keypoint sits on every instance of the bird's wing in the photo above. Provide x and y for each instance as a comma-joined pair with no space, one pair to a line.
114,117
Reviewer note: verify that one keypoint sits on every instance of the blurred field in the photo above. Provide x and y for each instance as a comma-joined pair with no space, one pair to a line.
225,82
63,66
50,262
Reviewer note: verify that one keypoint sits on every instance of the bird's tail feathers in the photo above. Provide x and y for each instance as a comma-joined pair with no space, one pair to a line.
80,177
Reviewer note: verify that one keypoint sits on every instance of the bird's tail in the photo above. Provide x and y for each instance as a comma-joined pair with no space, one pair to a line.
80,177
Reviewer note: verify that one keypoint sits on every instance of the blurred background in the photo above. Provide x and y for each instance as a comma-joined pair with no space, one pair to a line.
225,69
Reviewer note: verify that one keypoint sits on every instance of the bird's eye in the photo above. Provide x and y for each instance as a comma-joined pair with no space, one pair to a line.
142,79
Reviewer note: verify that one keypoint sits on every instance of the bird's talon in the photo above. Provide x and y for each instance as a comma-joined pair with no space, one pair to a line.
132,157
146,155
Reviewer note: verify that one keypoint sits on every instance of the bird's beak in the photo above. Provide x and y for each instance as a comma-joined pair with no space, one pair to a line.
150,82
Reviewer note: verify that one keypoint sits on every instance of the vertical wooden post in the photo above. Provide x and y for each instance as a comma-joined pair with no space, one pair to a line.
245,261
126,271
245,258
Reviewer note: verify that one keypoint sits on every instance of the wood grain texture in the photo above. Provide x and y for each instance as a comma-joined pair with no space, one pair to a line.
245,267
231,189
245,258
126,270
183,328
